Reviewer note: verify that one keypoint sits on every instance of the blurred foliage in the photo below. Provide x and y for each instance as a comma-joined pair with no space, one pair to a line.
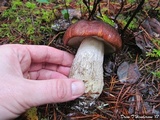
157,74
42,1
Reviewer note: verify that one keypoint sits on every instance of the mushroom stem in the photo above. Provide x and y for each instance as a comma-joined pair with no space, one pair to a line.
88,66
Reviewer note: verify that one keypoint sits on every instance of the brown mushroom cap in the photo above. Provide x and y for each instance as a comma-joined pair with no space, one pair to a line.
82,29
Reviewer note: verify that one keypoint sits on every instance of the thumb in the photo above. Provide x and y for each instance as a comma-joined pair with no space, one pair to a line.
53,91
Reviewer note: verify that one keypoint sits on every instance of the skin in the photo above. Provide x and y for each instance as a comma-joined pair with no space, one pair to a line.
34,75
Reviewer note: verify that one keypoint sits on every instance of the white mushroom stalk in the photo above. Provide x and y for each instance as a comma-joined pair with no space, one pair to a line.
88,66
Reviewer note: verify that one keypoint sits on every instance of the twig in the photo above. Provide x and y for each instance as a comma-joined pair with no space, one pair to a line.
54,38
134,14
87,4
91,12
150,38
96,2
122,4
149,64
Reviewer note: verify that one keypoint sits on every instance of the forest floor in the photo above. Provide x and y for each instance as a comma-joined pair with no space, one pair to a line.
131,76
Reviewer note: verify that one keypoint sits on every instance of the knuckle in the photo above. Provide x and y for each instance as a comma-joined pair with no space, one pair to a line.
61,89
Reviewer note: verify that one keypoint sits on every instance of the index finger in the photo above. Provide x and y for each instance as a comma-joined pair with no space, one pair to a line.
40,53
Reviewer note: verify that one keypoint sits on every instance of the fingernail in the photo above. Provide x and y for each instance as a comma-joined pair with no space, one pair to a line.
77,88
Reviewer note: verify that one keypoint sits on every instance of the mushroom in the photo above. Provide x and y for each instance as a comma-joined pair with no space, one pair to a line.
94,39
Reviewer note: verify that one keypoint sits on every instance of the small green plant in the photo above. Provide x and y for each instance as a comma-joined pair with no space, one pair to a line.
155,53
106,19
65,14
156,74
131,1
30,5
42,1
68,2
123,20
157,41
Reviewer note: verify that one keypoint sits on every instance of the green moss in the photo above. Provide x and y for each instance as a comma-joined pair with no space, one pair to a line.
24,21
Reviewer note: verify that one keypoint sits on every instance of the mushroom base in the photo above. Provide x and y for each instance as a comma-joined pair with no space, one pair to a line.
88,66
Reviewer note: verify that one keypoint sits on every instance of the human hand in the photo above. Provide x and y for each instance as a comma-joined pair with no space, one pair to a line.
33,75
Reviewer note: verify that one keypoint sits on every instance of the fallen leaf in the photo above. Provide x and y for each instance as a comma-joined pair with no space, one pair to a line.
152,26
31,114
109,68
143,43
128,73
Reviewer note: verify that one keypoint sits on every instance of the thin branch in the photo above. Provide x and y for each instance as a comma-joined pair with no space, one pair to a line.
134,14
96,2
91,12
122,5
87,4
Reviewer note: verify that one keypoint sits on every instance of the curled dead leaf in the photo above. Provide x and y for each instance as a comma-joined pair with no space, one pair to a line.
128,73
